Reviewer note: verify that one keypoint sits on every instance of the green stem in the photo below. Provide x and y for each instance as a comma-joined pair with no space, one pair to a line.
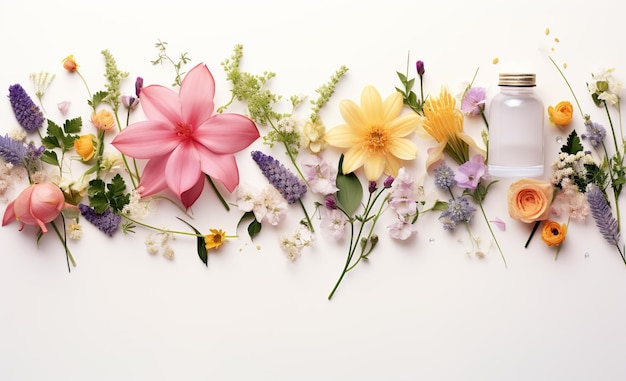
532,233
63,238
482,113
308,219
217,192
348,260
568,85
492,234
164,230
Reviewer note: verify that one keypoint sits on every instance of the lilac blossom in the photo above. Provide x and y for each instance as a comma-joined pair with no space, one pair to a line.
403,195
27,113
291,187
335,221
474,101
595,133
459,210
444,177
320,175
471,172
107,222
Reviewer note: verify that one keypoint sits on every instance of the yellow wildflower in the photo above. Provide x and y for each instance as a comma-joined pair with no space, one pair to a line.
443,121
375,134
214,239
84,147
553,233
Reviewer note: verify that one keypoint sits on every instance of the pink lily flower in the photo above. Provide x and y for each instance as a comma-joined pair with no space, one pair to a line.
182,138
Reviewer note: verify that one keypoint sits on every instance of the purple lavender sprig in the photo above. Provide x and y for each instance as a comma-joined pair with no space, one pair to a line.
12,151
107,222
290,186
27,113
603,216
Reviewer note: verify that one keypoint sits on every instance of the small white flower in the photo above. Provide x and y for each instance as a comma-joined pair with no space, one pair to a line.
75,231
320,175
401,229
334,221
18,134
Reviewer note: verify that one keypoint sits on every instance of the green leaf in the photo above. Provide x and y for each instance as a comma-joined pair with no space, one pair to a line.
440,206
254,227
402,77
73,126
573,144
201,246
97,98
350,190
50,157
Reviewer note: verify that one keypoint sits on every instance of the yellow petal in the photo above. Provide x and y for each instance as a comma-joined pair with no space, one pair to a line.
470,142
404,125
353,115
354,158
374,166
392,166
392,107
403,149
372,106
435,155
341,136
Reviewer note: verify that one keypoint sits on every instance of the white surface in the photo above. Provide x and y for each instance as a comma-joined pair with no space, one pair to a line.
417,311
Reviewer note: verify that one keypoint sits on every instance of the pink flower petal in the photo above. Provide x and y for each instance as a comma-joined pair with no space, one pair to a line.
145,140
499,223
196,96
190,196
182,170
220,167
160,103
227,133
9,214
152,179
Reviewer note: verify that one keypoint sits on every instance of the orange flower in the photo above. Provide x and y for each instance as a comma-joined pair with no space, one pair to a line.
529,200
70,64
561,114
214,239
84,147
103,120
553,233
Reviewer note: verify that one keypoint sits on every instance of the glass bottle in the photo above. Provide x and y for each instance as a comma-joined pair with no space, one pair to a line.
516,128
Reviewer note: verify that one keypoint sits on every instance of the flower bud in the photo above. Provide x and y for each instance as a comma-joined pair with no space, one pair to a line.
70,64
138,86
36,205
419,65
84,146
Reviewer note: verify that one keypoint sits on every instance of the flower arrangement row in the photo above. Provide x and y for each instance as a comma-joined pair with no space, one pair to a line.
184,142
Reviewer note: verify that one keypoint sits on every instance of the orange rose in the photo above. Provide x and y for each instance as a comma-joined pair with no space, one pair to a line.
553,233
529,200
561,114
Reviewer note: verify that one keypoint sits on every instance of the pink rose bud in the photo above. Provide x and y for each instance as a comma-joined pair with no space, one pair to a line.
36,205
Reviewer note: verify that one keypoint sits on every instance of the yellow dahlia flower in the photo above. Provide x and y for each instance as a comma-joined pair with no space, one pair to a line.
443,121
375,134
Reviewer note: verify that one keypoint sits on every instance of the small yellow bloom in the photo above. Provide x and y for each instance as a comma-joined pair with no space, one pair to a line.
70,64
84,147
214,239
313,136
553,233
103,120
561,114
443,121
375,134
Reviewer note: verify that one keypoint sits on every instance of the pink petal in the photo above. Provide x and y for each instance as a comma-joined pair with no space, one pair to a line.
9,214
220,167
196,96
153,176
147,139
227,133
190,196
160,103
183,168
499,224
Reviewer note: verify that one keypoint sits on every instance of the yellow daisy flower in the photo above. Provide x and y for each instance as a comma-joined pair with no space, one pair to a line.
214,239
443,121
375,134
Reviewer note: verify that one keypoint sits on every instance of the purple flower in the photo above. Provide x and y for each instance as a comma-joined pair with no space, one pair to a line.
602,214
474,101
107,222
330,202
372,187
27,113
138,86
12,151
289,186
388,182
471,172
444,177
595,133
459,210
419,65
130,102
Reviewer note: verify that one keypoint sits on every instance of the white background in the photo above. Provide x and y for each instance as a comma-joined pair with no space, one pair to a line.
416,311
